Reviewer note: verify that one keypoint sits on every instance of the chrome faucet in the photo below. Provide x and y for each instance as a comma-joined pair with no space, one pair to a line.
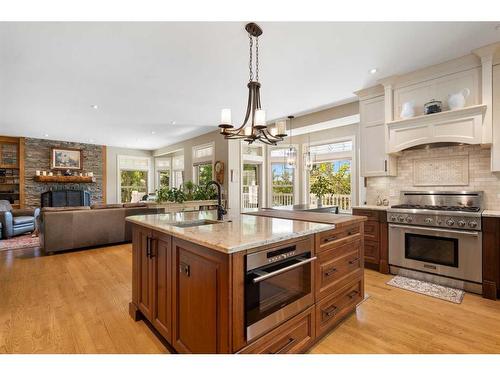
221,211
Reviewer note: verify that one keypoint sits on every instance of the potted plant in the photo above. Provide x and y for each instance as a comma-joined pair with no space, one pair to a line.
320,187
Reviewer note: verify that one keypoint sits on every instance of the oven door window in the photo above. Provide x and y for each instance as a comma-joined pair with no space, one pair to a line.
267,296
432,249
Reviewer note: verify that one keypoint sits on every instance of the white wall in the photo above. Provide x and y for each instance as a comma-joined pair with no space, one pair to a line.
112,172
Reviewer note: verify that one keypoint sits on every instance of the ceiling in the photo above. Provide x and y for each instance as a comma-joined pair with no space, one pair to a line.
156,84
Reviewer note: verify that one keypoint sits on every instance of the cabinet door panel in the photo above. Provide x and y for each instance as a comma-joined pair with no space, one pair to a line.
145,272
162,311
200,299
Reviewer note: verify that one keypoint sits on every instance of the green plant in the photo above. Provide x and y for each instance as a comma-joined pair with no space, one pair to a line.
321,186
165,194
188,192
203,193
188,189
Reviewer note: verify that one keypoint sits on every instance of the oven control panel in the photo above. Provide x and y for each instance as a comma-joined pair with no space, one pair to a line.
429,220
277,258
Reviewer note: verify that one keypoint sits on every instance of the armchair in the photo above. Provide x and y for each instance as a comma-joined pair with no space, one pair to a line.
17,221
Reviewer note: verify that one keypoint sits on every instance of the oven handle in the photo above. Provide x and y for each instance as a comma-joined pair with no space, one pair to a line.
291,267
475,234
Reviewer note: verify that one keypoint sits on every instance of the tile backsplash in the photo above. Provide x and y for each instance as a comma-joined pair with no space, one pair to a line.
480,176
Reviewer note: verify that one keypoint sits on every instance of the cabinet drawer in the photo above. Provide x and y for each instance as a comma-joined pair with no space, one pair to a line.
335,269
293,336
331,310
372,252
331,239
372,215
372,230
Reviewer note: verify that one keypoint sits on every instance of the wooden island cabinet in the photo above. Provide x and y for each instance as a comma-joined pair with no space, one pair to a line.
194,295
376,238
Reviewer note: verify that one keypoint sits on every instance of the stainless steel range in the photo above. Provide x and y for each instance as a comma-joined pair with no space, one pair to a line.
436,236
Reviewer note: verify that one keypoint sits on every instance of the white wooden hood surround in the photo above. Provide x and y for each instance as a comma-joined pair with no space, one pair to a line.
472,124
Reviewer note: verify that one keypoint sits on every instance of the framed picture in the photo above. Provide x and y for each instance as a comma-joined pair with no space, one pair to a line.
66,158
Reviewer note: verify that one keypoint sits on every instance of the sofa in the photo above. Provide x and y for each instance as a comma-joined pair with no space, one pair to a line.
14,222
68,228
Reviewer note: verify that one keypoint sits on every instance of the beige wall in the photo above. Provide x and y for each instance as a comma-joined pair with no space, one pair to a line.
480,176
112,171
221,152
327,114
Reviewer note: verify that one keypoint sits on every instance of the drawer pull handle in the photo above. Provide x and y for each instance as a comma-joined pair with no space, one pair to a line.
352,294
352,261
330,272
330,312
330,239
286,346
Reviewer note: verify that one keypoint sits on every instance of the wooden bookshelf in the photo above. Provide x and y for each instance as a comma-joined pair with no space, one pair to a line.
12,170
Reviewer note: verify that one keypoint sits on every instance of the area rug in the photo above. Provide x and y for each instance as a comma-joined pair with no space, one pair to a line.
19,242
429,289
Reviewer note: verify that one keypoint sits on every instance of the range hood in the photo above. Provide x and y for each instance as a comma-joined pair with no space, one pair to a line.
464,125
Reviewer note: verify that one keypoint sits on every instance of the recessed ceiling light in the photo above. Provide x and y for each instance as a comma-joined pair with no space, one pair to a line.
45,135
94,106
173,122
153,132
373,71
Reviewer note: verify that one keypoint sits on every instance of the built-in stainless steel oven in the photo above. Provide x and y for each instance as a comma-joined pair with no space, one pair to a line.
279,283
441,251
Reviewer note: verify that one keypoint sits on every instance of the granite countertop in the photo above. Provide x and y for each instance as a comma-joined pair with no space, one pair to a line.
372,207
234,234
339,220
491,213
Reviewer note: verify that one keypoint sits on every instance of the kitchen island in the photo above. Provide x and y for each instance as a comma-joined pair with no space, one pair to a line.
248,284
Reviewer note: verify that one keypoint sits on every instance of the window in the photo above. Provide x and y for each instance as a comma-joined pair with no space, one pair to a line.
163,172
283,179
333,166
177,171
203,162
203,173
133,173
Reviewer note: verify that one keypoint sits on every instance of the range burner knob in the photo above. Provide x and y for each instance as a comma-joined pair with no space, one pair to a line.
428,220
394,218
409,219
450,222
461,223
472,224
401,219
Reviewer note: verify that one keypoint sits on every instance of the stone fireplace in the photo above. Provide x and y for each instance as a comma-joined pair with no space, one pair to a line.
37,157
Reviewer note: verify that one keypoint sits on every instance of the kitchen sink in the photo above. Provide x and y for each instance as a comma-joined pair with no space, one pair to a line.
195,223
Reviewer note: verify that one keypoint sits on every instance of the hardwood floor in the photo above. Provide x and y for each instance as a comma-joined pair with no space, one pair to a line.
77,302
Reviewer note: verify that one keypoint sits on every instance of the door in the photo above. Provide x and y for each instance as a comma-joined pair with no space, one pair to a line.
251,187
142,246
200,299
162,284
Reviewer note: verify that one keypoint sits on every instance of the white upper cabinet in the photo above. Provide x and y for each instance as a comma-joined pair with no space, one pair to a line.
373,136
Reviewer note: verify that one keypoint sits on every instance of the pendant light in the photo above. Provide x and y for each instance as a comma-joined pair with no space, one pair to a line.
291,153
254,127
308,156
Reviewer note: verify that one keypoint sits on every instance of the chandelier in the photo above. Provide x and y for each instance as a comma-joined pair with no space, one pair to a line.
254,127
